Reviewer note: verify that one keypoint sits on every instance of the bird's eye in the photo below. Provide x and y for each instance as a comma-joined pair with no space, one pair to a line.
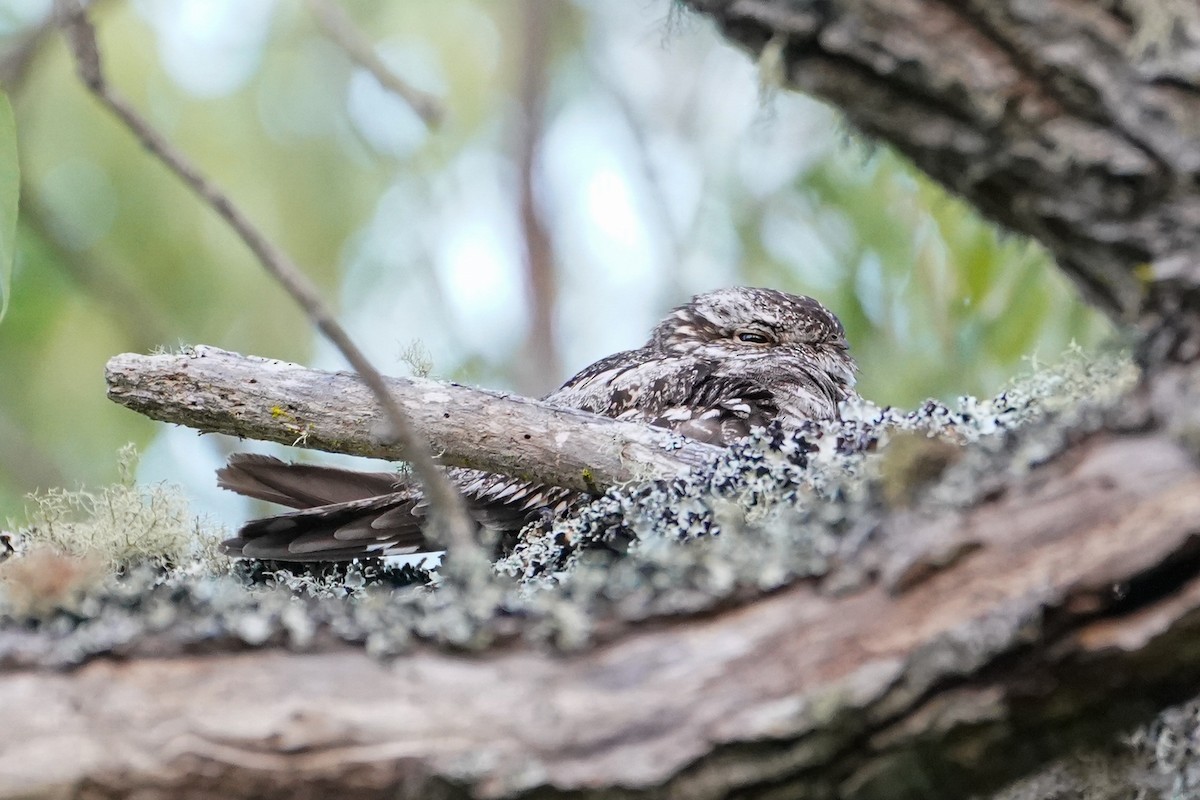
754,338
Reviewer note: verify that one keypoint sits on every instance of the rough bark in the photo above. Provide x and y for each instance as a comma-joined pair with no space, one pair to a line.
1067,120
257,398
1074,612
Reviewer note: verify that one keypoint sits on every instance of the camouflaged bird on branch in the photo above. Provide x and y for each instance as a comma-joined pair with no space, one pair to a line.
715,368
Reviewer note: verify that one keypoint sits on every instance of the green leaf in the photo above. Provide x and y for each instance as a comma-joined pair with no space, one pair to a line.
10,191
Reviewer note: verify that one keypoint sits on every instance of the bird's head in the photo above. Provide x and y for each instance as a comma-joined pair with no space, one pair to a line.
758,325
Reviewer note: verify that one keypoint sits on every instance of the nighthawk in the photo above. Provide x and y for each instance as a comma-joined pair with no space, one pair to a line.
726,362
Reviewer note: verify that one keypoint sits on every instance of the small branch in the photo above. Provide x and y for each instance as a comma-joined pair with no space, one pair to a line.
449,516
256,398
338,27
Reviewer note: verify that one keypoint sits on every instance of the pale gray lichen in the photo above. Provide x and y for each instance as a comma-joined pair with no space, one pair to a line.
122,525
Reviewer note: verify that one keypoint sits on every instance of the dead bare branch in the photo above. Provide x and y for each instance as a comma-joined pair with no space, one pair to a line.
215,390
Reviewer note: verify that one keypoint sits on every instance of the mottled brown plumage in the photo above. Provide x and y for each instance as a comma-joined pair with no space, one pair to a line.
728,361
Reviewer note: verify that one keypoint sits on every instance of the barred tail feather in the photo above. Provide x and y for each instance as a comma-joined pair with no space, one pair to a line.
370,527
300,485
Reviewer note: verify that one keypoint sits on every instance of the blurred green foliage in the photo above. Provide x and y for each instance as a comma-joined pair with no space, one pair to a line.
659,122
926,276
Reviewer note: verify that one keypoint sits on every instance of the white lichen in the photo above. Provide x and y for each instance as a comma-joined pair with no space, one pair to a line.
121,525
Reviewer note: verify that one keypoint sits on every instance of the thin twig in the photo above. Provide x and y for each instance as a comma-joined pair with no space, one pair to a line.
450,517
342,30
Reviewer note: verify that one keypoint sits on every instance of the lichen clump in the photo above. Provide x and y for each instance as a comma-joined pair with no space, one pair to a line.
78,543
120,525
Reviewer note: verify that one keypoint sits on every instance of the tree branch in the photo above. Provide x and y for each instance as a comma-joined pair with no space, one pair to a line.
256,398
1073,614
1049,117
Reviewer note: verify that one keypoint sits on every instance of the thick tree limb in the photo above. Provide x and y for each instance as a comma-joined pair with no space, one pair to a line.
257,398
1074,612
1057,118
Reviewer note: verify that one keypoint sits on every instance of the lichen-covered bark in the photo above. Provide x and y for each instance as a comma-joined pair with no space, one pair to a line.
214,390
1067,120
1071,612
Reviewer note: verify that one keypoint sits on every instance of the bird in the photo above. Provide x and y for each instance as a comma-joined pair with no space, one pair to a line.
715,368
